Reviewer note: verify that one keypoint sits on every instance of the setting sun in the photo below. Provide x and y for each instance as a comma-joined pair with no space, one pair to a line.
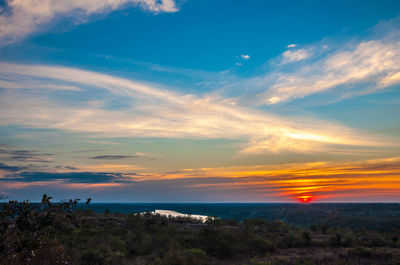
305,198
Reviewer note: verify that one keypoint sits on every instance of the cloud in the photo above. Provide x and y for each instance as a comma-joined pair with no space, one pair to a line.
17,152
11,168
245,56
113,157
368,180
67,167
295,55
25,155
121,168
333,181
21,18
31,84
68,177
292,45
154,111
360,68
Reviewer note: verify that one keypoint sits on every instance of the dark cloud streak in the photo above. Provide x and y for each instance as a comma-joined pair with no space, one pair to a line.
11,168
69,177
24,155
113,157
67,167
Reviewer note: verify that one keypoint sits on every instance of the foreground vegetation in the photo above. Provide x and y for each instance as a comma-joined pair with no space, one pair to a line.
60,233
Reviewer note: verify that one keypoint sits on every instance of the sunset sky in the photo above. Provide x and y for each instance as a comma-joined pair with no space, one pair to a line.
200,100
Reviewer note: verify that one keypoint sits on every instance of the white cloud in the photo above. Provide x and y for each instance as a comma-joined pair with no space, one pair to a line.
295,55
155,112
391,78
292,45
373,64
245,56
23,17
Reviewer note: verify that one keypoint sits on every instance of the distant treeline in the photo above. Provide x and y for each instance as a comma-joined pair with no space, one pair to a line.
70,233
379,216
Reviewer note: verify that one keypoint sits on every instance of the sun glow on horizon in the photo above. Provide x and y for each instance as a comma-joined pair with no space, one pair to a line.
305,198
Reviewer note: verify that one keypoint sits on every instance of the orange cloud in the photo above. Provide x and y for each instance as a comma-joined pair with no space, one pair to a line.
369,180
319,180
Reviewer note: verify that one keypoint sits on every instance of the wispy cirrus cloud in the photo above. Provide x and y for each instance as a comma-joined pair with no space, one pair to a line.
362,67
21,18
154,111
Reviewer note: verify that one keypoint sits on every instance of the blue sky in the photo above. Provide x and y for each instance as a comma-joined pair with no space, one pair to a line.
200,101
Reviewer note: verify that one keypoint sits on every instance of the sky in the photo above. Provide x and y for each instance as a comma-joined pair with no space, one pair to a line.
200,100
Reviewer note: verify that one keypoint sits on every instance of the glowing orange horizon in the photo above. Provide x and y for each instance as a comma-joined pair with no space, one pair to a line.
305,198
296,182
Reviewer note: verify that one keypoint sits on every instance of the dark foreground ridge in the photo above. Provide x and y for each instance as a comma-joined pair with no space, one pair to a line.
62,233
